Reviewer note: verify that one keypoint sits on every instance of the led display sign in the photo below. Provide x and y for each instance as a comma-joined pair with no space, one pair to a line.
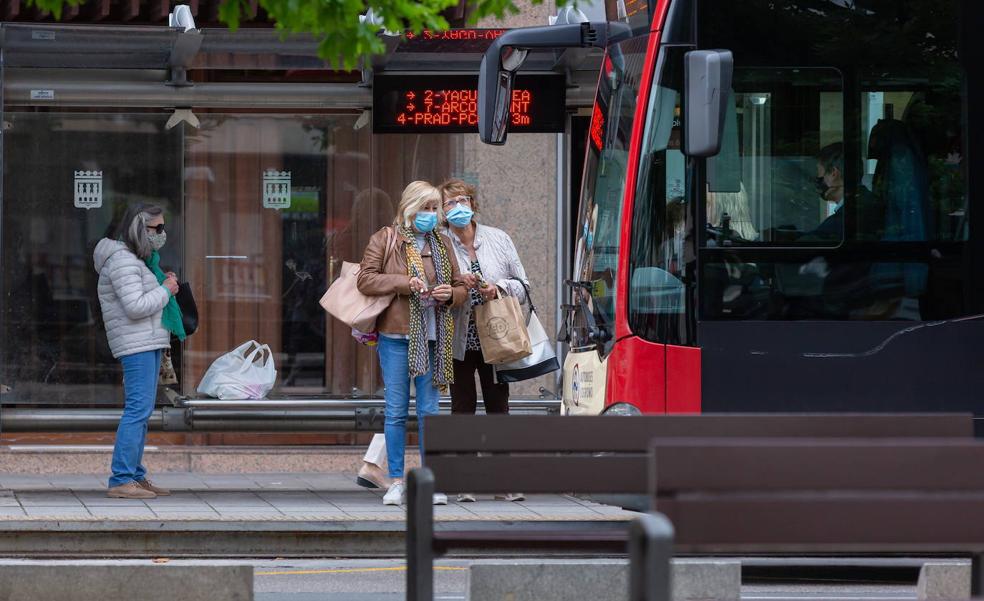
452,40
448,103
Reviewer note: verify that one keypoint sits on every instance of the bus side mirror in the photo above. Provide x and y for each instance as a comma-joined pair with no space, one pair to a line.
708,81
506,55
495,86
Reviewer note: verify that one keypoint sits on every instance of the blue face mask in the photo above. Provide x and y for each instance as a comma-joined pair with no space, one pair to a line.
460,216
425,222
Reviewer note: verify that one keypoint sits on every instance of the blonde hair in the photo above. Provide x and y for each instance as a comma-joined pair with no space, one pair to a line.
735,204
415,196
456,187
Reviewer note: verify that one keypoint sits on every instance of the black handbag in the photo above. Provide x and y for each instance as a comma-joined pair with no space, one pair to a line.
189,310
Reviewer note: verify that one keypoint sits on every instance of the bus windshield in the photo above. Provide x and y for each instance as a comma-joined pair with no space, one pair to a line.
596,248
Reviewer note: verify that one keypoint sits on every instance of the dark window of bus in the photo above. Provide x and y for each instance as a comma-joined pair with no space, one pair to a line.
596,249
845,153
662,224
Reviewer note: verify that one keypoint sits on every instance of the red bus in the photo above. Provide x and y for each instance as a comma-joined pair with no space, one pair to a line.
775,209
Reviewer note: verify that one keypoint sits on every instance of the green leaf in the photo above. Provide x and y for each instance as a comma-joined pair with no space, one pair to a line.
54,7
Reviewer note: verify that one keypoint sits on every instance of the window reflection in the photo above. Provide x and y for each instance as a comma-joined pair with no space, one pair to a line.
846,146
52,339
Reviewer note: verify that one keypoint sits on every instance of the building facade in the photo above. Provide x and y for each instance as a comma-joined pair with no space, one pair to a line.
267,166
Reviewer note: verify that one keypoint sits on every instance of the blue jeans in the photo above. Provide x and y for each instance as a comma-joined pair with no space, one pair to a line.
140,374
396,377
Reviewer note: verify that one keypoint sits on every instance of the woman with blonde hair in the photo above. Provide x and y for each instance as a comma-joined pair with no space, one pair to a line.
735,205
414,262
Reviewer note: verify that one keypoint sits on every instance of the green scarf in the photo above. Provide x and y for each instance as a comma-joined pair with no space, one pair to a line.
171,317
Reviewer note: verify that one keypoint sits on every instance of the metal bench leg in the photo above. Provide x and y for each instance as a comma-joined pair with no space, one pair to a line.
650,552
420,535
977,575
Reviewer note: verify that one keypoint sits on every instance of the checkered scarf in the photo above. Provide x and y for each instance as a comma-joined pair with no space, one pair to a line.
418,356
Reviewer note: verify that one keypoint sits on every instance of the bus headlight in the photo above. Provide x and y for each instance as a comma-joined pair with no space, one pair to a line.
620,409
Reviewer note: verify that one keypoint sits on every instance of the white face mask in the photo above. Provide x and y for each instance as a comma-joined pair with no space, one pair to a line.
157,240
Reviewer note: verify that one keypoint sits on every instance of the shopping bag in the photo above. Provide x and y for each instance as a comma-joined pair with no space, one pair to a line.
502,330
345,303
246,372
542,361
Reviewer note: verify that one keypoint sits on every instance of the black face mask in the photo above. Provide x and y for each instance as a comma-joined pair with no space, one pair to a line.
822,187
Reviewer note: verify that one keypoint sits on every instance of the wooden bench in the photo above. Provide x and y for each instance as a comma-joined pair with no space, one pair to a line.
589,455
809,496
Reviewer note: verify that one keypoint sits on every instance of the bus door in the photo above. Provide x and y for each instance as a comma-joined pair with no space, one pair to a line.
594,285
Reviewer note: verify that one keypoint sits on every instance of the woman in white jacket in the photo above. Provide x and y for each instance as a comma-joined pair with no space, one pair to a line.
133,300
489,264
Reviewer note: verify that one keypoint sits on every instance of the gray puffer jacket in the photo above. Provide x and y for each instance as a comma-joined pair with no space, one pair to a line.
132,300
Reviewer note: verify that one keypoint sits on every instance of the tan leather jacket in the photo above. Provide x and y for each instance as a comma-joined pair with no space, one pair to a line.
376,279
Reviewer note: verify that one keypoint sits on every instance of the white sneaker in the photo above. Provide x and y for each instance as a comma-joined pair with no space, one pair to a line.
513,497
395,495
440,498
466,497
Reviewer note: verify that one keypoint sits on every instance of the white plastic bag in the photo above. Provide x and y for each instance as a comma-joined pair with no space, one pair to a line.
238,375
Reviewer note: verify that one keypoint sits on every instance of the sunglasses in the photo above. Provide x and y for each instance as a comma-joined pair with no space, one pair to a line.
159,228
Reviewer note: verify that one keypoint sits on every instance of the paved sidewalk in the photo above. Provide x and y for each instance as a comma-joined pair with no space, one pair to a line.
293,498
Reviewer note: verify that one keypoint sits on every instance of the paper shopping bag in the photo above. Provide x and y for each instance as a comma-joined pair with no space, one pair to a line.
502,330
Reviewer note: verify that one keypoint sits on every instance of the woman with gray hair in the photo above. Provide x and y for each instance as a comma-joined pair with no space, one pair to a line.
140,314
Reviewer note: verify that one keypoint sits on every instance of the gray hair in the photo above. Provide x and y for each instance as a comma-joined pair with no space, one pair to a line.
132,229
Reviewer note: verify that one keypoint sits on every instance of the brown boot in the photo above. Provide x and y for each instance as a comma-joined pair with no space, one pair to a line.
130,490
157,490
372,476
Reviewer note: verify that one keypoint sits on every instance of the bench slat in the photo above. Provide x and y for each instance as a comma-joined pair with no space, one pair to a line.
571,541
539,474
882,523
514,433
567,535
817,464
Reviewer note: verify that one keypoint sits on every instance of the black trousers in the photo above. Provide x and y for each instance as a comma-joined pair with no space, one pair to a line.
464,396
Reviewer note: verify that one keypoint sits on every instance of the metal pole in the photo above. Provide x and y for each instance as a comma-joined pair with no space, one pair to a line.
560,265
3,177
420,535
312,415
73,90
977,575
650,554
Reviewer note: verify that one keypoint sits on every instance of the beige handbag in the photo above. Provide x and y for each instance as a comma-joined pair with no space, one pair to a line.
502,330
344,301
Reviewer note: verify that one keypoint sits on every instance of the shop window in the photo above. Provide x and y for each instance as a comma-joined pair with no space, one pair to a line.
67,178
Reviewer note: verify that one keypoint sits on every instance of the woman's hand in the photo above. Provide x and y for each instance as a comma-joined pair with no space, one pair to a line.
417,285
172,285
441,293
487,292
470,280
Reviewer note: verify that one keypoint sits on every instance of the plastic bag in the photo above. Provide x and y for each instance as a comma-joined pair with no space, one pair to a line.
238,375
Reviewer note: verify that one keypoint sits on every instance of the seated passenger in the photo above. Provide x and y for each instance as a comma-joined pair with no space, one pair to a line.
901,182
730,212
